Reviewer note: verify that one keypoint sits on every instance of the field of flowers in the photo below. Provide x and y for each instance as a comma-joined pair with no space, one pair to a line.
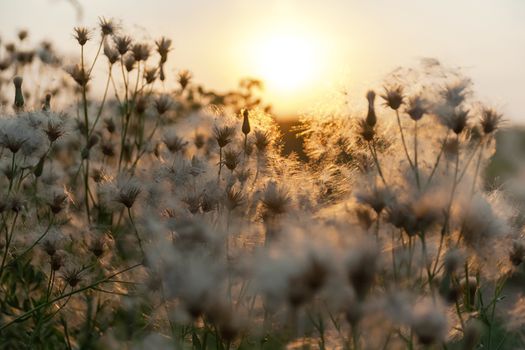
169,218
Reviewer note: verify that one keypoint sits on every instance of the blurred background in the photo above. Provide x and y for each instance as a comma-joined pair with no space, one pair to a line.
306,51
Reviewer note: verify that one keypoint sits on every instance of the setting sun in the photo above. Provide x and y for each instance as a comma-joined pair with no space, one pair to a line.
287,61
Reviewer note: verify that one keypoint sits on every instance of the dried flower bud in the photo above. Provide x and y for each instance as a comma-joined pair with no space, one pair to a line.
223,135
163,47
245,122
19,96
107,27
371,118
184,78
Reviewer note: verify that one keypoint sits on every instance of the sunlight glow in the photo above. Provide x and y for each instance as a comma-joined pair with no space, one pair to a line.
287,61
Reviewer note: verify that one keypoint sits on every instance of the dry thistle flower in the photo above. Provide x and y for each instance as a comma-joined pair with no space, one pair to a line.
107,27
123,44
174,143
50,247
455,94
223,135
150,74
366,132
393,97
275,200
140,52
199,140
163,104
72,277
128,192
107,147
416,108
490,120
78,74
82,35
163,48
262,140
457,120
110,125
231,159
19,96
371,118
194,203
56,262
184,78
54,130
97,246
377,198
234,198
58,202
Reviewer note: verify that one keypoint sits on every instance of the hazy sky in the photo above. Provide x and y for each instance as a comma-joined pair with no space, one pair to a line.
343,42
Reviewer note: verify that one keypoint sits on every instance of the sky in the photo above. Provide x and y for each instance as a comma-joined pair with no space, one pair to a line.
307,49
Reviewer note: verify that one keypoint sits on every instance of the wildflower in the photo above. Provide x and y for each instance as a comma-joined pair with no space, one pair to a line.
19,96
110,125
162,104
366,132
54,130
194,202
275,200
150,74
234,198
57,203
184,78
174,143
262,140
231,159
97,246
128,192
377,198
223,135
393,97
108,148
457,120
56,262
107,27
123,44
82,35
199,140
416,108
140,52
163,47
72,277
490,120
78,74
371,118
50,247
455,93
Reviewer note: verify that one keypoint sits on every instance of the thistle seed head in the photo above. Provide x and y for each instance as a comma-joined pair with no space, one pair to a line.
393,97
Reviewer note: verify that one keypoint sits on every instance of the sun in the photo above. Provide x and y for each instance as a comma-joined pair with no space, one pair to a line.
287,61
